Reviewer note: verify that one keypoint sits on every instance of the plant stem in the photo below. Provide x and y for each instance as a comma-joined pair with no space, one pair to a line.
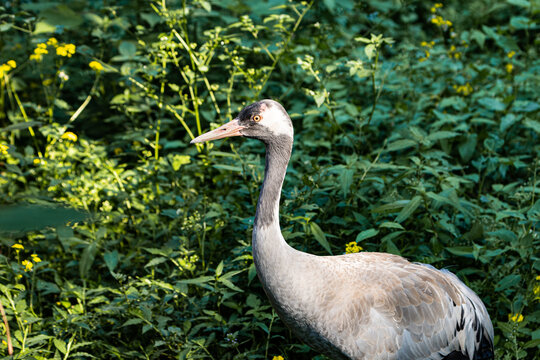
284,48
6,325
269,332
25,117
375,95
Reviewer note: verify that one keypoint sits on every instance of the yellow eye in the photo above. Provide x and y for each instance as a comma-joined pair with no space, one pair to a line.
257,118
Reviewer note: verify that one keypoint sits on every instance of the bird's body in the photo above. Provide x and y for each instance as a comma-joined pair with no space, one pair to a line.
356,306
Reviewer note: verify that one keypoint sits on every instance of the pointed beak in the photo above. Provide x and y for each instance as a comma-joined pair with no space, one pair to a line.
229,129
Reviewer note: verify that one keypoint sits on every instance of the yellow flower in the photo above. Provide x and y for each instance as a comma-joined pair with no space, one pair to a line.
36,57
538,277
117,151
439,21
511,54
464,90
425,57
279,357
28,265
517,318
536,290
41,49
66,50
71,48
352,247
35,258
4,68
61,51
94,65
52,41
457,55
12,64
509,68
17,247
4,149
69,136
435,7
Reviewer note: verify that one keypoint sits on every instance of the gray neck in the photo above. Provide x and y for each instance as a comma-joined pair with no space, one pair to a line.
278,153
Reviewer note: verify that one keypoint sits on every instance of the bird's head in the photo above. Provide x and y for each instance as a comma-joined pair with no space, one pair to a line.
264,120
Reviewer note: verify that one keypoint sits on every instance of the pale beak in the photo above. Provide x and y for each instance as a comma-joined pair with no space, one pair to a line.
229,129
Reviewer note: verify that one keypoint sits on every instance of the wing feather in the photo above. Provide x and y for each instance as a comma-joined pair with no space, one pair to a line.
402,310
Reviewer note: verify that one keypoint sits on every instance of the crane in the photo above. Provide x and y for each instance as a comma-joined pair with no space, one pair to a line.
364,305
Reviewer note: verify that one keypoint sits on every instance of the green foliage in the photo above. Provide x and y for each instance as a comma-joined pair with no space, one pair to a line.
417,133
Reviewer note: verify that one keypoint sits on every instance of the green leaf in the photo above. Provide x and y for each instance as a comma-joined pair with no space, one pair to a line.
134,321
391,247
21,126
330,5
320,97
61,15
127,49
508,281
156,261
197,281
319,236
401,144
391,225
507,121
230,285
465,251
219,269
366,234
111,259
409,209
523,3
252,272
370,50
60,345
479,37
532,344
391,208
179,160
346,179
492,104
520,22
467,148
532,124
228,167
87,259
23,218
440,135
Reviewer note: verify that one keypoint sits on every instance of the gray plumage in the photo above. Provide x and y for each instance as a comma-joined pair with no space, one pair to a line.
355,306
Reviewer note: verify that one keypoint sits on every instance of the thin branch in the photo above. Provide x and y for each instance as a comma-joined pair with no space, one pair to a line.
8,335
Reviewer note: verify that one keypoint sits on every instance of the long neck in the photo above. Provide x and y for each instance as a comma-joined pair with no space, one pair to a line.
273,257
278,153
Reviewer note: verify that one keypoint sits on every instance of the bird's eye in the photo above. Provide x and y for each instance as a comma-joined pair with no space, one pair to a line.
257,118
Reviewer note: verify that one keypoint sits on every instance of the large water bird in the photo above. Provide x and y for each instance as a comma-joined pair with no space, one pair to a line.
356,306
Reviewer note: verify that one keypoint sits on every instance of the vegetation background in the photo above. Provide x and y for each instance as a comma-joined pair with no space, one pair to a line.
417,133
